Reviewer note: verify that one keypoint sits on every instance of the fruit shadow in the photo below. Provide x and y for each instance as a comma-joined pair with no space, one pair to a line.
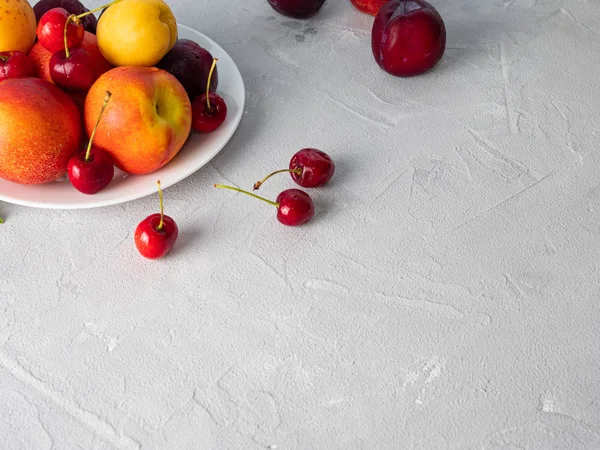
324,207
185,241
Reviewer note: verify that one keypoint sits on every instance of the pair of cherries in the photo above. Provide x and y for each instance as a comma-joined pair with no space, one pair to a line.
309,168
71,66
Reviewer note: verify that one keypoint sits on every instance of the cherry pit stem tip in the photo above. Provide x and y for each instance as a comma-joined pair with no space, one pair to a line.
258,184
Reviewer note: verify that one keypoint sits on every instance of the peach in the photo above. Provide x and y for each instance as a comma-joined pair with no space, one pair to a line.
147,120
40,129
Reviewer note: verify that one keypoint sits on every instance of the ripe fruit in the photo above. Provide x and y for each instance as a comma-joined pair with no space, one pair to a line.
15,65
408,37
40,57
368,6
40,129
136,32
51,30
156,234
294,207
17,26
72,6
209,110
309,168
190,64
73,70
299,9
93,171
90,43
150,113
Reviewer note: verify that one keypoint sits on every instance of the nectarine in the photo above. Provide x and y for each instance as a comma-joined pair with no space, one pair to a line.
40,129
147,120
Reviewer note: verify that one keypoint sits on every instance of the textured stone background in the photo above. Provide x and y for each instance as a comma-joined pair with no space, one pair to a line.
445,297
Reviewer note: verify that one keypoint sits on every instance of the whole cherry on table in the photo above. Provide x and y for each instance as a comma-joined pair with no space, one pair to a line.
294,207
157,233
308,167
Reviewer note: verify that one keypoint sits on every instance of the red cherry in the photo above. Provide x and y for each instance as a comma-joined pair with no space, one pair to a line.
93,171
316,167
73,71
205,120
15,65
51,30
208,110
294,207
309,168
156,234
93,174
408,37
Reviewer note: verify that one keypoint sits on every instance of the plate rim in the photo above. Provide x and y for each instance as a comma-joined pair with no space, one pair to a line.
184,175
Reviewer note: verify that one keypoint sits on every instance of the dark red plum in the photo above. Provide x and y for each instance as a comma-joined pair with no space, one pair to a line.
190,64
299,9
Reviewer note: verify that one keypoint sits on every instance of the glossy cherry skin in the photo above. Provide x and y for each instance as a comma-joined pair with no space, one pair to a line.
368,6
408,37
153,243
89,22
299,9
75,73
317,167
91,176
205,120
190,64
51,27
15,65
295,207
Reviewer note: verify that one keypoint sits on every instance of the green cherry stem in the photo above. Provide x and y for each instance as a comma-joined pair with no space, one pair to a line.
4,58
75,19
162,207
95,10
71,18
258,184
231,188
89,147
1,221
210,74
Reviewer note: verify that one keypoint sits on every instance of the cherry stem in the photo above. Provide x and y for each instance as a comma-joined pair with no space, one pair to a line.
89,147
1,221
210,74
258,184
95,10
72,18
221,186
162,207
4,58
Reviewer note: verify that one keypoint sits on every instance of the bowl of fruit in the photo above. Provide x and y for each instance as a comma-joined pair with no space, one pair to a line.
94,111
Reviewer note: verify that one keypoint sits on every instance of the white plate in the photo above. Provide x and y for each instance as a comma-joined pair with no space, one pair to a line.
197,152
